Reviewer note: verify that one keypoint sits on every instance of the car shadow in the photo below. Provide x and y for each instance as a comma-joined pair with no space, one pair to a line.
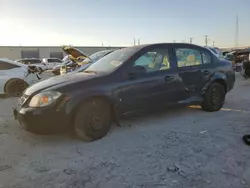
126,122
154,115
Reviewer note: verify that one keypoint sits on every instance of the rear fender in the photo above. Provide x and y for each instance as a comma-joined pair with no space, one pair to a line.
217,77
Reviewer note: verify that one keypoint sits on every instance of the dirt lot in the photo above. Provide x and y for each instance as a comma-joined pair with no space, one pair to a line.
180,148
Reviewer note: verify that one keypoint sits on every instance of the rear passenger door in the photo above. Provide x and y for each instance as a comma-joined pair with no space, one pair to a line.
194,69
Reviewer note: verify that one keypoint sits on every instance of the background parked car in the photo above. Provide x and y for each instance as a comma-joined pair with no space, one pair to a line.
86,62
216,51
75,54
15,77
120,84
73,59
51,62
34,62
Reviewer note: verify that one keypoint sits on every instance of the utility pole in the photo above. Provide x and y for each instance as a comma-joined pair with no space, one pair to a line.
102,43
174,41
190,40
213,43
206,39
138,41
237,31
134,42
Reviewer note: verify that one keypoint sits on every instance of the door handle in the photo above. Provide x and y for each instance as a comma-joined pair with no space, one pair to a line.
206,72
168,78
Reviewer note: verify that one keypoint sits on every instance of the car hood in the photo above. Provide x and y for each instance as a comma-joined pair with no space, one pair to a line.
69,50
54,81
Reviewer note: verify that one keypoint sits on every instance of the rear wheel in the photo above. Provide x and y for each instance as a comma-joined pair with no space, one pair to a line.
214,98
93,120
15,87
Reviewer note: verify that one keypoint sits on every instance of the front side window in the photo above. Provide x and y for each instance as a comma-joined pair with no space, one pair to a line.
190,57
153,60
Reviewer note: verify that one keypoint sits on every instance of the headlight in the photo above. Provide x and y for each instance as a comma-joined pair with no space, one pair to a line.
44,98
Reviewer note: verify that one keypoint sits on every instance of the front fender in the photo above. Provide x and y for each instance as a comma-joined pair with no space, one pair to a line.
75,101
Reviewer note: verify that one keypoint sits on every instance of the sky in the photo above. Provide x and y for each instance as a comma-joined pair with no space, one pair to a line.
119,22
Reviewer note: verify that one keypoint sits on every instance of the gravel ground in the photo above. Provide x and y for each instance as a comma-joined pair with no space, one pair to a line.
179,148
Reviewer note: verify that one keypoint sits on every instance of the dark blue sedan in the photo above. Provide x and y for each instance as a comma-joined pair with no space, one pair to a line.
128,80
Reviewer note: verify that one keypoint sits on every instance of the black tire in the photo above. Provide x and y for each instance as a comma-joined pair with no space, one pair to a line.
93,120
15,87
246,139
214,98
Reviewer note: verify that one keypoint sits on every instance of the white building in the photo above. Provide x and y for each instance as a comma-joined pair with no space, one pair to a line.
18,52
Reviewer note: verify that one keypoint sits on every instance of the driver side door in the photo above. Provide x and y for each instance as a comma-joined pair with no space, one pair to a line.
154,86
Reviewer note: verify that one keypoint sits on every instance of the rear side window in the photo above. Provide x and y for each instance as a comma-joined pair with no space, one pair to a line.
206,58
191,57
7,66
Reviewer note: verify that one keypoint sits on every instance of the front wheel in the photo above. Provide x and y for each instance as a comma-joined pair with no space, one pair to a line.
214,98
93,120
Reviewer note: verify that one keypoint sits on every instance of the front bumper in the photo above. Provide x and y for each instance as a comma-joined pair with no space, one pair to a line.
44,120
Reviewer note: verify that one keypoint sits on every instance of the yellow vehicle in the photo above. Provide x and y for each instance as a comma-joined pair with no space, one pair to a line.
75,54
75,59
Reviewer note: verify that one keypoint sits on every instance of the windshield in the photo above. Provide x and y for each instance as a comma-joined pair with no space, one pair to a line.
112,61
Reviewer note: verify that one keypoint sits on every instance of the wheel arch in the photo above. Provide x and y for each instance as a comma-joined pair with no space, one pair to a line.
218,78
222,82
74,107
8,81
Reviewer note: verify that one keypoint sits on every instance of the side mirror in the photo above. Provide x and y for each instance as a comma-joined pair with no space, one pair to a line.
136,71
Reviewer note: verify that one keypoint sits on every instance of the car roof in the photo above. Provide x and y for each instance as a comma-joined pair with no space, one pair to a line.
139,47
12,62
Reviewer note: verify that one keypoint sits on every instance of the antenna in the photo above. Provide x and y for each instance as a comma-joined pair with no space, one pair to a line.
237,31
